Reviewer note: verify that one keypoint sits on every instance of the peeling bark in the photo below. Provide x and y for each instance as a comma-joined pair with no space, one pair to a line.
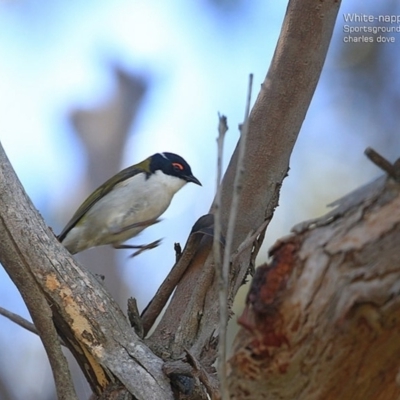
321,320
86,317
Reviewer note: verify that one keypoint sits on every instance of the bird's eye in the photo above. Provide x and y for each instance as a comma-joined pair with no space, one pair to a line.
177,166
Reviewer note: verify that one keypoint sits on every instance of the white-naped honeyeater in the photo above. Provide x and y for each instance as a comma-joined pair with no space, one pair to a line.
127,204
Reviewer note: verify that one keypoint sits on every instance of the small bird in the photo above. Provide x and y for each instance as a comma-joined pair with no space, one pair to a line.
127,204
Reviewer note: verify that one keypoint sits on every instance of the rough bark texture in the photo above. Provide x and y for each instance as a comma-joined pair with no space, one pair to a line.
87,318
322,318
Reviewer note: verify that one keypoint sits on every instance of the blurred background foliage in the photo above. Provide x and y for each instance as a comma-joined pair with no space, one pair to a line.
88,88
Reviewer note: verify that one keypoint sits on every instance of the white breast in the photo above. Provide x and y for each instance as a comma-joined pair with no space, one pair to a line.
138,199
130,202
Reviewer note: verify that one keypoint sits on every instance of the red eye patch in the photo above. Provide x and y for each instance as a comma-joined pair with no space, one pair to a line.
177,166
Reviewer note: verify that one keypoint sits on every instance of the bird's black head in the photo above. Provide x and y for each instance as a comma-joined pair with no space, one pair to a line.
174,165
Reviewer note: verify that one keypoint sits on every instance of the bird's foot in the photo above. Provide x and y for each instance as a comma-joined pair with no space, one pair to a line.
141,248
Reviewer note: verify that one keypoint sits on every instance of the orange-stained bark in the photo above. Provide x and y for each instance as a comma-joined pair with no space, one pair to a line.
322,318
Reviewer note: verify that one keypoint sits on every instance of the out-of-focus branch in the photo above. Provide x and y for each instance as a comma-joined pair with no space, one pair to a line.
22,322
218,261
393,170
17,319
103,130
223,270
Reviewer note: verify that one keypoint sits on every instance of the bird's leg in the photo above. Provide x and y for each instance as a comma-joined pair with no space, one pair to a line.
142,224
149,246
141,248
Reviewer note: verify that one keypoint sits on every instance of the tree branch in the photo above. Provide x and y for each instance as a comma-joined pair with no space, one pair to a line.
393,170
275,120
226,261
86,317
203,226
22,322
17,319
323,314
218,261
16,263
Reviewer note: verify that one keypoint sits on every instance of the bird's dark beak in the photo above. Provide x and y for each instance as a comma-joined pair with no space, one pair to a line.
193,179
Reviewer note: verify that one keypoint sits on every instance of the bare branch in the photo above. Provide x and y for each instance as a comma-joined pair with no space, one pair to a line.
87,318
392,170
24,323
191,318
249,241
205,379
204,225
42,315
224,279
222,129
15,263
134,317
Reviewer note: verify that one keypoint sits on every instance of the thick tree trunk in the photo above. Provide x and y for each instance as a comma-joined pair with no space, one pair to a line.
322,318
184,343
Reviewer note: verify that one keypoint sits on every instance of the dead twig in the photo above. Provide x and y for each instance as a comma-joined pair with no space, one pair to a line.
249,241
393,170
23,323
205,378
17,319
134,317
152,311
224,282
178,251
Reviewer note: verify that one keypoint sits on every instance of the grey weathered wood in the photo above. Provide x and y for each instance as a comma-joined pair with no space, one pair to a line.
86,317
